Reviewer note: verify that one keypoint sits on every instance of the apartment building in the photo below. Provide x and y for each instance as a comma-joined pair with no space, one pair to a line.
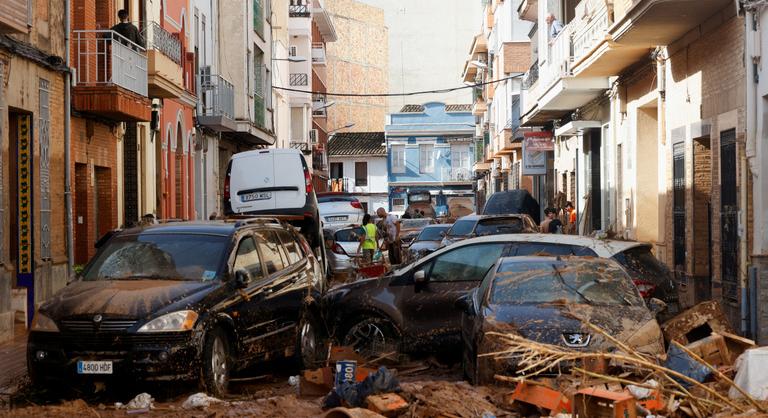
33,253
358,166
498,57
428,148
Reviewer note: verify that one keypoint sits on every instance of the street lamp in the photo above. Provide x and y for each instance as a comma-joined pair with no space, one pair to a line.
349,125
291,59
325,106
478,64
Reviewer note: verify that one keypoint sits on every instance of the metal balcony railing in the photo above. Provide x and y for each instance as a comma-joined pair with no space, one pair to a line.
559,58
104,58
302,146
299,11
216,96
341,184
299,79
586,36
532,76
169,44
513,122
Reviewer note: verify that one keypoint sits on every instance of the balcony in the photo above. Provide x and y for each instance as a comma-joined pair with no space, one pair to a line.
303,146
299,11
318,53
298,79
319,160
15,16
111,76
165,72
479,105
216,102
480,164
456,175
341,185
319,106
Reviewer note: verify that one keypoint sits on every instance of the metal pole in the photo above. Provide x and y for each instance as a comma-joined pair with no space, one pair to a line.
67,142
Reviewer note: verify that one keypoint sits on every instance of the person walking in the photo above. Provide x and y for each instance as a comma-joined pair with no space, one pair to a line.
392,227
369,240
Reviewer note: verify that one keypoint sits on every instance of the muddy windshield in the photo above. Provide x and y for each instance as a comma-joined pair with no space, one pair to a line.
571,282
462,228
432,234
159,256
496,226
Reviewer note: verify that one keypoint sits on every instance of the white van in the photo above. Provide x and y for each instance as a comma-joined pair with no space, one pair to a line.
274,182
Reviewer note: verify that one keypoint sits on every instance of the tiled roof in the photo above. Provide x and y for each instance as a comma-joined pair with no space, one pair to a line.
357,143
458,108
412,108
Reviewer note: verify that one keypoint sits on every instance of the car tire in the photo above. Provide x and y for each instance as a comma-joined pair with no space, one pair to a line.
372,337
309,342
216,363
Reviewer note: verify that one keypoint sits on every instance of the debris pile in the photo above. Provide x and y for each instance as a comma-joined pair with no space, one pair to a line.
706,371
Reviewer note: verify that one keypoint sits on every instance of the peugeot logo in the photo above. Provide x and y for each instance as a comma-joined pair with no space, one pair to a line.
266,180
97,318
576,339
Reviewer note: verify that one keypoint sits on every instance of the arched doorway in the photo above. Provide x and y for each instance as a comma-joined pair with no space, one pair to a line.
179,174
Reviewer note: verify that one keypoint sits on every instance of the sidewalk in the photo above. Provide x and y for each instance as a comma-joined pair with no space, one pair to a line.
13,363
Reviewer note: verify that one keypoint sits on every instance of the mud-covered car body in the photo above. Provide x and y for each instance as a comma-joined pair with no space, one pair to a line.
151,297
482,225
550,300
427,241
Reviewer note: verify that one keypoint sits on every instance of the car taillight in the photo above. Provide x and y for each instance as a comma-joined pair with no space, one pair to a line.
227,201
355,204
307,180
646,288
337,249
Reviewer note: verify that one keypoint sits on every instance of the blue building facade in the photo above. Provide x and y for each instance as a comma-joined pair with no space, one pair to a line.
429,147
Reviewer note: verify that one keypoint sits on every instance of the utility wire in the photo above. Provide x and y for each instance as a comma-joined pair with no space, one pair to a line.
412,93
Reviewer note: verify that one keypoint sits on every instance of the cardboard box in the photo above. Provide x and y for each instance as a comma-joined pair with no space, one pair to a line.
599,403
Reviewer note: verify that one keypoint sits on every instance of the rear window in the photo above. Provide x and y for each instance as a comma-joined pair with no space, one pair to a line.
431,234
349,235
499,226
462,228
426,197
540,248
593,283
328,199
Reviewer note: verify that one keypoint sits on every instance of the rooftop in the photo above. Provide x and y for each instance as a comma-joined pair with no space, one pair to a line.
357,143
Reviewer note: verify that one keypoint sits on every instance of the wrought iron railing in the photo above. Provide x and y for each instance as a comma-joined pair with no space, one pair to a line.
104,57
299,79
216,96
341,184
302,146
532,76
169,44
299,11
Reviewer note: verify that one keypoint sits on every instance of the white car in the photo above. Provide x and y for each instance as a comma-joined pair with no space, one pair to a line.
338,209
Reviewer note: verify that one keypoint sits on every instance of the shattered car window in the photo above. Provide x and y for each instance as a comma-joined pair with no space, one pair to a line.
349,235
159,256
495,226
641,263
462,228
592,282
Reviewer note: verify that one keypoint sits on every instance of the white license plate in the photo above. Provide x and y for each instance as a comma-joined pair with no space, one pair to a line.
250,197
94,367
336,218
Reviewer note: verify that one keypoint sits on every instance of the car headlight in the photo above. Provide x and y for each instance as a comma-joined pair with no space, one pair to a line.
44,324
174,321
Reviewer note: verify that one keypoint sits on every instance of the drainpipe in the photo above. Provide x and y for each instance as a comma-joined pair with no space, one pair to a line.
743,242
67,141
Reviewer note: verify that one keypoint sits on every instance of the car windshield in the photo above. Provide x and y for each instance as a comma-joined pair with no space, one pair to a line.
586,282
349,235
511,225
414,223
432,234
462,228
159,256
327,199
641,263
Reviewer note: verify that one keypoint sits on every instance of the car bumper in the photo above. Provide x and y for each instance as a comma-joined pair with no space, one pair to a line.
161,356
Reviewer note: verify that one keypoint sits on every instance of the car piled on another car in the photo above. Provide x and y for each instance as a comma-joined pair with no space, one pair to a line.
481,225
427,241
339,210
411,228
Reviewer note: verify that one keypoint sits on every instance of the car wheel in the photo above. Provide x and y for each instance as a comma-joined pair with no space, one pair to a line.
309,342
217,363
373,337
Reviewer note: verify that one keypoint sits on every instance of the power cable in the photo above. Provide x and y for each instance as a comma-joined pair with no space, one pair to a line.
413,93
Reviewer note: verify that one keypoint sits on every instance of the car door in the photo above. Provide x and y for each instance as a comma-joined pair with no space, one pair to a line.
290,188
429,309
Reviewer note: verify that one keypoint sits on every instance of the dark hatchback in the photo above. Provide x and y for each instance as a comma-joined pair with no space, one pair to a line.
481,225
545,299
182,301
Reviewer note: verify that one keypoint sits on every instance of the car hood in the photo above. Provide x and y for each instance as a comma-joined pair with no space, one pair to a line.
552,324
124,298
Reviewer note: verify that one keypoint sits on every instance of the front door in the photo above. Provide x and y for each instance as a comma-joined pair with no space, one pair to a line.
429,309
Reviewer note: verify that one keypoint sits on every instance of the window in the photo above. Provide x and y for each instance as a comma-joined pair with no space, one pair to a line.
398,204
469,263
531,248
271,251
460,157
292,51
426,158
247,258
291,247
337,170
398,158
361,174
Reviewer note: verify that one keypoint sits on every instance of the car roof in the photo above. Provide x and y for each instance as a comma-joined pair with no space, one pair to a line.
258,152
434,226
476,217
223,228
602,247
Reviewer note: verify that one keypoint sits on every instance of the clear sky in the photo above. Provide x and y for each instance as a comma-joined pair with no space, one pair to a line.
429,42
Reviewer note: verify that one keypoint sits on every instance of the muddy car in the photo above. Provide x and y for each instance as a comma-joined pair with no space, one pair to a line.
186,301
545,299
411,228
482,225
427,241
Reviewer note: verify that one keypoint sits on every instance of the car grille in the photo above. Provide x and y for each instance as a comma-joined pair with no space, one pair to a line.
88,326
108,342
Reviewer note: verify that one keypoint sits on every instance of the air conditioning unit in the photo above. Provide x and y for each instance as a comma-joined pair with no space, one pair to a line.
313,137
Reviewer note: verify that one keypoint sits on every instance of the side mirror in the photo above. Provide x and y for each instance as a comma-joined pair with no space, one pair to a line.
443,234
242,279
420,277
657,306
463,303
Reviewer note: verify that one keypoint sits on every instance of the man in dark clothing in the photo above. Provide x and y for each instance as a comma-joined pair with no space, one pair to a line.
127,29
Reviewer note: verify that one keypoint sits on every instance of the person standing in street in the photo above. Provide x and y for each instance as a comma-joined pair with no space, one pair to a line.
550,224
369,240
392,226
570,212
128,29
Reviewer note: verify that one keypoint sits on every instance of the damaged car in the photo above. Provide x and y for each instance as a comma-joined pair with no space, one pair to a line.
427,241
550,300
182,301
471,226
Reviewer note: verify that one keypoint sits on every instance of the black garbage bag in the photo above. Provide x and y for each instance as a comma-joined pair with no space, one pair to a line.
354,394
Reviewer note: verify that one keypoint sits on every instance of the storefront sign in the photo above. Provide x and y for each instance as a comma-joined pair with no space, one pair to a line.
25,194
536,145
